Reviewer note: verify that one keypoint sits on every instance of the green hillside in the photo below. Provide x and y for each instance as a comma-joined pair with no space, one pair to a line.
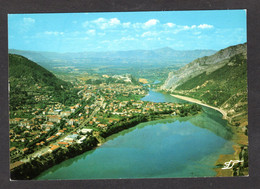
225,87
23,68
29,80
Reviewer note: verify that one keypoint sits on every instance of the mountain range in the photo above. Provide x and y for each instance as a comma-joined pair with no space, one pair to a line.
161,56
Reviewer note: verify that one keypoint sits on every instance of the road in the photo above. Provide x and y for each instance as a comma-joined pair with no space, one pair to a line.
98,105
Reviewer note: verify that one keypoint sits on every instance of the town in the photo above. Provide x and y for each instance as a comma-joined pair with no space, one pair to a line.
99,108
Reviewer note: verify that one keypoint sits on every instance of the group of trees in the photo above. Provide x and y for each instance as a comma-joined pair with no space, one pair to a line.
240,168
190,109
124,123
67,97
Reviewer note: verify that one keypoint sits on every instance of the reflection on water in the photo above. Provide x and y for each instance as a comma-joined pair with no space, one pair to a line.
218,125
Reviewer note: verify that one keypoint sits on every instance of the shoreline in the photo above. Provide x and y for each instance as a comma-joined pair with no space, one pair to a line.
223,157
189,99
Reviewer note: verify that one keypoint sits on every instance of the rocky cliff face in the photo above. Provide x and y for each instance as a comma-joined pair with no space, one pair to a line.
206,64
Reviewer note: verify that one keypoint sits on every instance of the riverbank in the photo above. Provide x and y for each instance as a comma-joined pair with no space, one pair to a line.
239,138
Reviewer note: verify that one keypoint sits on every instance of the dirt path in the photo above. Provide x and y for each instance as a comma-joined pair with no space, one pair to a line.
224,113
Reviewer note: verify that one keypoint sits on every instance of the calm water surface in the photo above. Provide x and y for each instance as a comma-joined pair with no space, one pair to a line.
177,147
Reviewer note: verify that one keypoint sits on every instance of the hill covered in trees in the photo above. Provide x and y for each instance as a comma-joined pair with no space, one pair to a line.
226,87
32,84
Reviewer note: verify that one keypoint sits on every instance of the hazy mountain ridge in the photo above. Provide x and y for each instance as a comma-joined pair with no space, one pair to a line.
200,65
158,56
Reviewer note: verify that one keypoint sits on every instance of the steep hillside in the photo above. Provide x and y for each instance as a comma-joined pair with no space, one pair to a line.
219,80
205,64
225,87
22,68
28,80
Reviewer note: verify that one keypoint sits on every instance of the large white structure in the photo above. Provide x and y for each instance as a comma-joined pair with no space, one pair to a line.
85,131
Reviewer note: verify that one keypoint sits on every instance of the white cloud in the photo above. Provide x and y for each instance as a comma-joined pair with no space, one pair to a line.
186,28
193,26
146,25
169,24
151,22
126,24
103,23
205,26
145,34
114,21
137,25
99,20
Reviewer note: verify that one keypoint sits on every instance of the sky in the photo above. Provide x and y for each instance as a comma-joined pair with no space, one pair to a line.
122,31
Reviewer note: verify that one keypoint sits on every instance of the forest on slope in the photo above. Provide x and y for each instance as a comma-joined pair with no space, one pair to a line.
27,79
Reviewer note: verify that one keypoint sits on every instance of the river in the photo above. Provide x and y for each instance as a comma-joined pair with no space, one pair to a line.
175,147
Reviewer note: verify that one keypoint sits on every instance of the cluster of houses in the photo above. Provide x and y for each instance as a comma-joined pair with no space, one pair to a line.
109,110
